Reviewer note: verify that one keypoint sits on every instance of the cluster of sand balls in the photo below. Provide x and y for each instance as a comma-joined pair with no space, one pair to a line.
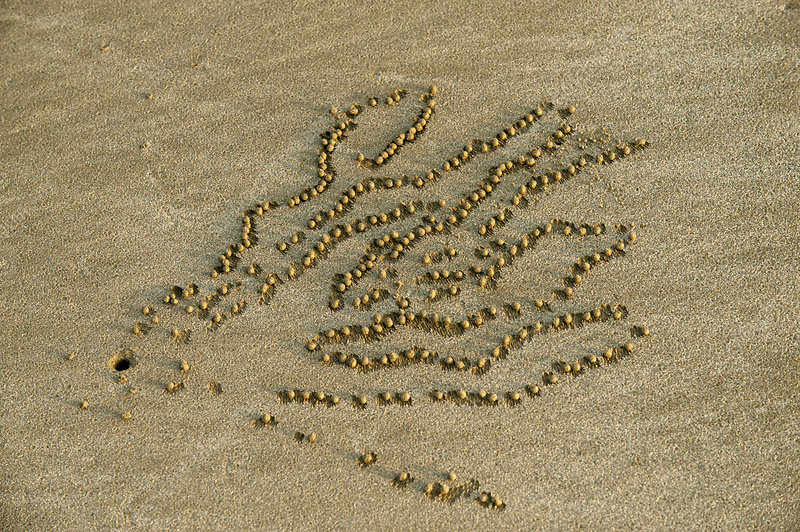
584,265
407,137
534,185
399,244
227,262
500,139
392,98
368,299
345,203
205,305
307,397
381,325
496,174
446,326
568,320
436,257
479,367
176,293
173,387
238,307
482,252
329,140
208,302
230,258
487,500
462,397
367,185
578,367
482,397
396,398
342,282
451,291
328,241
297,238
449,494
268,289
248,237
395,359
528,160
475,146
490,277
445,492
358,401
302,437
537,183
373,296
396,242
443,276
495,222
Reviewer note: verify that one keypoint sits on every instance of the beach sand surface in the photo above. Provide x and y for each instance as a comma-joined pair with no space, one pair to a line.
133,135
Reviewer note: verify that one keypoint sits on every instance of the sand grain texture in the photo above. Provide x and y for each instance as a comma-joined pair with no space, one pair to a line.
132,138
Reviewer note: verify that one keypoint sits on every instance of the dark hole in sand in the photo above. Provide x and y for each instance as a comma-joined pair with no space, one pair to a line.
121,362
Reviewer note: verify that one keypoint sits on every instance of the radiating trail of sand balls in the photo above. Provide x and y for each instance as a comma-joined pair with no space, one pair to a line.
567,321
405,138
329,141
511,252
585,264
489,280
447,493
395,359
447,326
421,232
399,243
328,241
470,150
510,397
366,186
538,184
476,196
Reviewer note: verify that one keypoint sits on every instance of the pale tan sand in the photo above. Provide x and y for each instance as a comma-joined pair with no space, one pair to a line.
109,197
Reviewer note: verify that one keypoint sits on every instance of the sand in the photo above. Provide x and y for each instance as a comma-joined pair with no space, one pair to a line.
134,137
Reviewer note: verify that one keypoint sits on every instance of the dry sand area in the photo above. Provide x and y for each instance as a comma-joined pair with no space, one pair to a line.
546,280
